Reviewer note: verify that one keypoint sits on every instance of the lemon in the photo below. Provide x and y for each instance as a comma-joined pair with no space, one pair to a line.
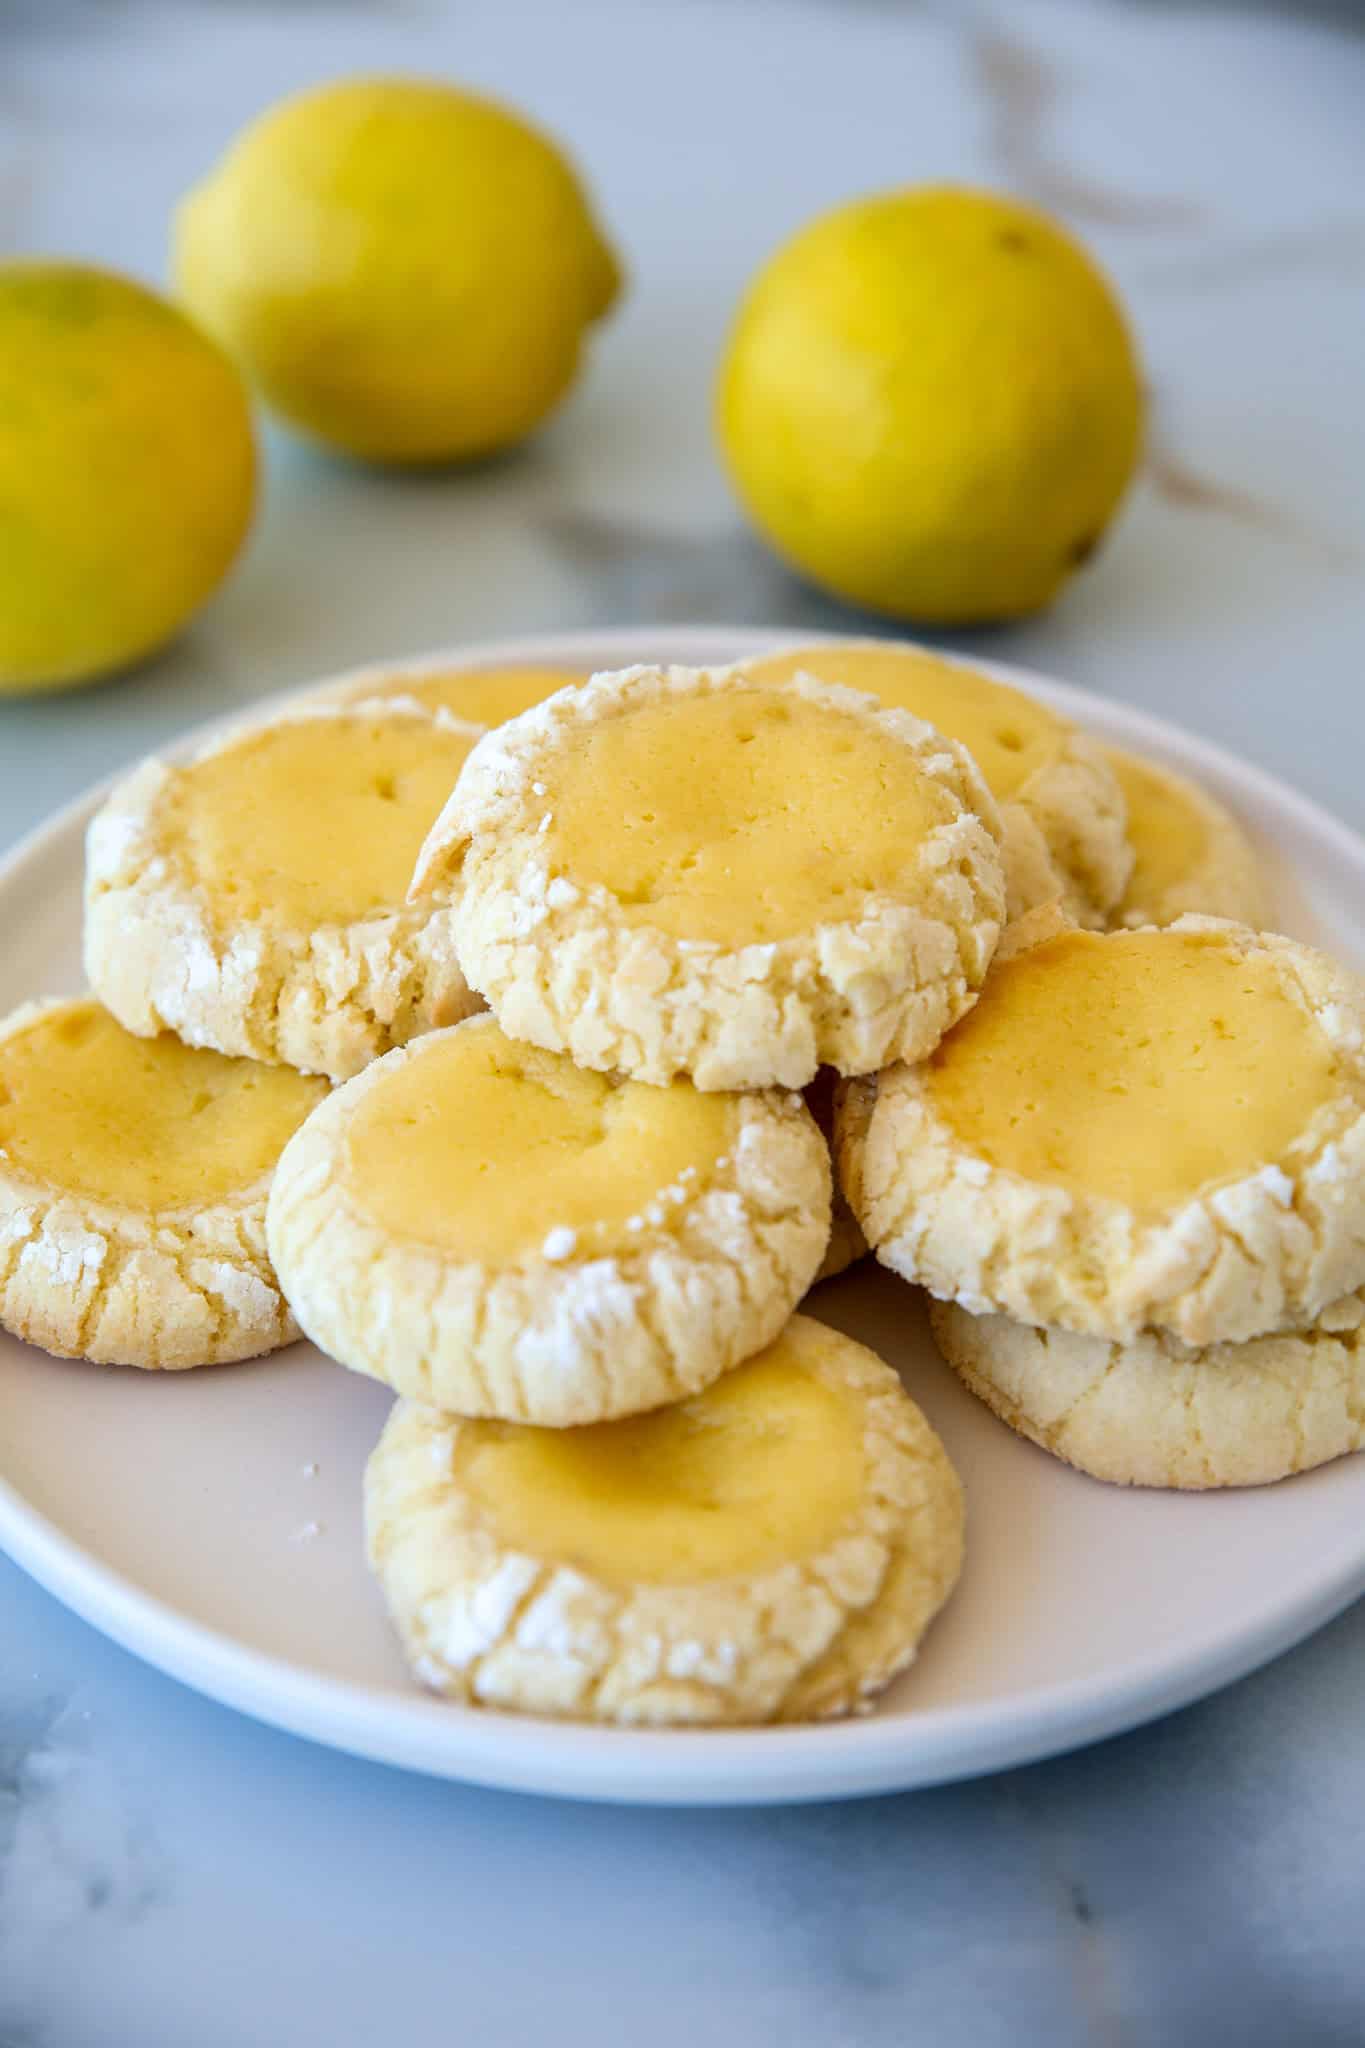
930,404
406,270
127,472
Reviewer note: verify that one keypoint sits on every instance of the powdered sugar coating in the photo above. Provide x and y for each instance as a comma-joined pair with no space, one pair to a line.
810,1638
717,1262
163,954
1155,1412
1232,1263
563,969
92,1279
1064,837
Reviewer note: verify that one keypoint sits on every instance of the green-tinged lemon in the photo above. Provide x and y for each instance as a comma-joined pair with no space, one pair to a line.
127,472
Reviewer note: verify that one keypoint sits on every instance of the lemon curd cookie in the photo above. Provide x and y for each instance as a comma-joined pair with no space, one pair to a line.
1061,809
133,1178
253,899
1155,1412
770,1550
677,871
1132,1129
489,1228
479,696
1190,854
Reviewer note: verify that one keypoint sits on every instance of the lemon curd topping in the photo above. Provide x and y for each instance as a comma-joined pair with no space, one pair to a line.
144,1123
317,820
1009,736
1141,1067
1169,836
742,817
493,1151
760,1470
487,696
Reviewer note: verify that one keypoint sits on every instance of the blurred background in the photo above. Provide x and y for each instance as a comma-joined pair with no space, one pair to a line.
1209,156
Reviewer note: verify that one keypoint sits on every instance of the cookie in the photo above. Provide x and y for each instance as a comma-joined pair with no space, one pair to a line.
770,1550
477,696
846,1241
252,900
1132,1129
490,1229
133,1179
1061,810
1190,854
676,871
1156,1413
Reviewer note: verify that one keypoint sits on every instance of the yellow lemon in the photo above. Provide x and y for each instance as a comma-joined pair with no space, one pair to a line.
127,472
406,270
930,404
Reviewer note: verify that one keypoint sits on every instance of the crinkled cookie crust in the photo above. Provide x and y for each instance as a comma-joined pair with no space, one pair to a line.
1227,881
803,1641
1156,1413
561,967
180,1287
326,999
1066,835
1263,1253
710,1277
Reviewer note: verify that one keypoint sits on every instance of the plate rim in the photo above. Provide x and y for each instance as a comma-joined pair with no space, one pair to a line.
854,1758
748,1766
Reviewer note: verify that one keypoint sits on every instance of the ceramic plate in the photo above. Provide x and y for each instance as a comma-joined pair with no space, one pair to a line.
210,1521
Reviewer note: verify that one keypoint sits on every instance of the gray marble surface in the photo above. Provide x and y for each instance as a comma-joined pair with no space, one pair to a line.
171,1874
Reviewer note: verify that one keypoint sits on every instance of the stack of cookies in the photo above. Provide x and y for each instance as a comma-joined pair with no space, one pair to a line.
493,1028
1134,1182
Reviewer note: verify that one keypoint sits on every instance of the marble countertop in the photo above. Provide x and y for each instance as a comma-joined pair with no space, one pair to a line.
171,1874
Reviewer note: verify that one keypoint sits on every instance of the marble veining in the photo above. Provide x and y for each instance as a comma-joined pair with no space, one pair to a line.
639,571
1330,251
76,1858
173,1876
1188,489
1022,86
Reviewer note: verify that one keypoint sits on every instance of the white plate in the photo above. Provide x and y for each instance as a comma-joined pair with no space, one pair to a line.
179,1513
